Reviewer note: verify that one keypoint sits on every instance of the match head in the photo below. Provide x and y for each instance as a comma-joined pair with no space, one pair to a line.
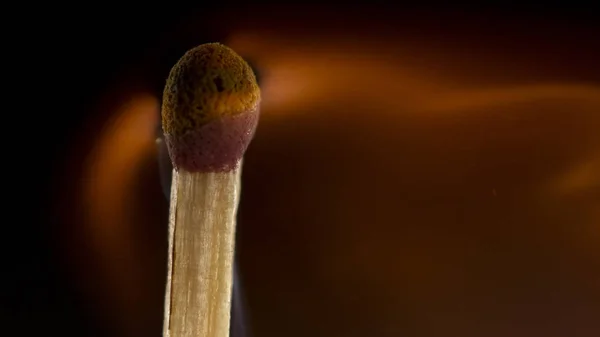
210,109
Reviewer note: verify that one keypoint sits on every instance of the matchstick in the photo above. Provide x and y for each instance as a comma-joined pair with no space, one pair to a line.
209,113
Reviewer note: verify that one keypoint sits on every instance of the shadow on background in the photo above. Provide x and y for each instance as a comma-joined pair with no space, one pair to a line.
415,173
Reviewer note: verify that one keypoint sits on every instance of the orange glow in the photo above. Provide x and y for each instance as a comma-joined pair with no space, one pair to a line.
112,169
112,165
301,74
389,173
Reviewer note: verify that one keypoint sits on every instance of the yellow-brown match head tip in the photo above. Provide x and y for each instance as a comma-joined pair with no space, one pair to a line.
209,82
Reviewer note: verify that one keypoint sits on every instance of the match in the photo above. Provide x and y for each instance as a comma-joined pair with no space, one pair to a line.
209,114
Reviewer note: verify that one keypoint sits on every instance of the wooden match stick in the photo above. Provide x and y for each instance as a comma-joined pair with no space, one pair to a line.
209,113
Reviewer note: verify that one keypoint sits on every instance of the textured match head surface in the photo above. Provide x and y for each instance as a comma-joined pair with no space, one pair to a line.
210,109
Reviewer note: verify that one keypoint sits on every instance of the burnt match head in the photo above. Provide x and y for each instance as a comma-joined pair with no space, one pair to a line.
210,109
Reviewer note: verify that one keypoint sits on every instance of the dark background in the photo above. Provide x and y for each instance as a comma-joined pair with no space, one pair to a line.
74,57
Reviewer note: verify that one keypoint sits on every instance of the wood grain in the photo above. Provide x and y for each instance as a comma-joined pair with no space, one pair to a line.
202,223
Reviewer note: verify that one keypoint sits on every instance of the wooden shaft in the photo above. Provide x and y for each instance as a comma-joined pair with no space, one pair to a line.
202,222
